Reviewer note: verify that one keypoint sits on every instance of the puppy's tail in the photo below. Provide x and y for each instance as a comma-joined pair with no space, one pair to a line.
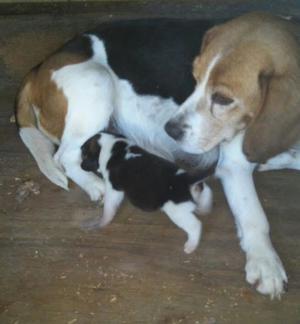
39,145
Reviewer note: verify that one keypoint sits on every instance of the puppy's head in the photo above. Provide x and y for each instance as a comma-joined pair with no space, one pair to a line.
235,72
90,152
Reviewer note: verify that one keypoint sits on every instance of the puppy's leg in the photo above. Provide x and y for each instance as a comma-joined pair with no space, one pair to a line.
182,215
286,160
112,201
202,196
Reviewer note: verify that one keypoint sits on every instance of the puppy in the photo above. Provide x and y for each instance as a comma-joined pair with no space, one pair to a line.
148,181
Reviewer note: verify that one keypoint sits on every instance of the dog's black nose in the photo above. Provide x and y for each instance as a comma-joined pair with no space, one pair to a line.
174,130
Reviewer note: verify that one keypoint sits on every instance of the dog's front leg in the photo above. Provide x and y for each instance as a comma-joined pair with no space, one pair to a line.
263,266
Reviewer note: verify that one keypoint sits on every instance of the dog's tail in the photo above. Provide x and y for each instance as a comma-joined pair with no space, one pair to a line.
39,145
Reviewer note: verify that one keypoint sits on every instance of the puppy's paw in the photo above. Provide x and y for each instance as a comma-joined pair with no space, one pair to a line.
91,224
267,274
190,246
206,201
96,191
104,222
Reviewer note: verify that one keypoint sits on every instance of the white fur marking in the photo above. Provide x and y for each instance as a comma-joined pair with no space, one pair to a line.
130,155
98,49
200,92
150,113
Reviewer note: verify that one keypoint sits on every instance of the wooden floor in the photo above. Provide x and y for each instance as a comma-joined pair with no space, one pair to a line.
134,271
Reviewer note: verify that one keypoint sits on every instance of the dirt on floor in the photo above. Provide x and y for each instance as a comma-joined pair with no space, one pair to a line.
135,270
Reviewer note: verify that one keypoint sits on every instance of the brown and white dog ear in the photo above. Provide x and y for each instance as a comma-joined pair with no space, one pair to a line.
209,36
276,126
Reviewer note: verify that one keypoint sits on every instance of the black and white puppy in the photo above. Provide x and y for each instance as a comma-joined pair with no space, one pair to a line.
148,181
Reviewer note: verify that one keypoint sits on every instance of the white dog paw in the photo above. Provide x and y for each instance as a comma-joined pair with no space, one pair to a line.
267,274
264,167
268,167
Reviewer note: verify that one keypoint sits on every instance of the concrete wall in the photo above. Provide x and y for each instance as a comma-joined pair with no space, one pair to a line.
42,1
30,31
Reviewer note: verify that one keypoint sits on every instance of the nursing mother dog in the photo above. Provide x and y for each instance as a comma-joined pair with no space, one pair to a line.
185,90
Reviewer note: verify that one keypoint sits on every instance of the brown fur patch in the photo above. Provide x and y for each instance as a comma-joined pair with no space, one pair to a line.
24,114
40,92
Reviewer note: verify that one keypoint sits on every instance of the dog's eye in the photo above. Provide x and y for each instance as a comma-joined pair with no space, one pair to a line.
221,99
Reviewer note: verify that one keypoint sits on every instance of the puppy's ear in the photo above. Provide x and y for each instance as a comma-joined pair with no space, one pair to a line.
89,164
90,152
276,126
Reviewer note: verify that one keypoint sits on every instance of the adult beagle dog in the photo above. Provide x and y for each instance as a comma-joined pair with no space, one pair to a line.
241,108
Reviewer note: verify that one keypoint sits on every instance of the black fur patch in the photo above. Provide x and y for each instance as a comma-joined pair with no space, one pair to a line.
80,45
147,180
90,152
155,55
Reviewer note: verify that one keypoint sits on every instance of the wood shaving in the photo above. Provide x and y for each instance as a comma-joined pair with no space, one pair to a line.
25,189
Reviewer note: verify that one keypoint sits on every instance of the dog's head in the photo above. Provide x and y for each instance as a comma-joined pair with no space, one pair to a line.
248,78
90,152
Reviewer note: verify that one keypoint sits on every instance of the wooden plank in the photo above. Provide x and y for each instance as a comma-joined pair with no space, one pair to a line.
134,271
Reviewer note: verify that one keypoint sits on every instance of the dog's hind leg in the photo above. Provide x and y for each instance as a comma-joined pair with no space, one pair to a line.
285,160
40,145
183,216
42,150
89,89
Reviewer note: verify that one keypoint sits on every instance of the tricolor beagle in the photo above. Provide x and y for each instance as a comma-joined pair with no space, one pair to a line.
148,181
241,108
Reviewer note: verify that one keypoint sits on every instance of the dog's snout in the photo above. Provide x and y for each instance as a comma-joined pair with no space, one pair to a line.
174,130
